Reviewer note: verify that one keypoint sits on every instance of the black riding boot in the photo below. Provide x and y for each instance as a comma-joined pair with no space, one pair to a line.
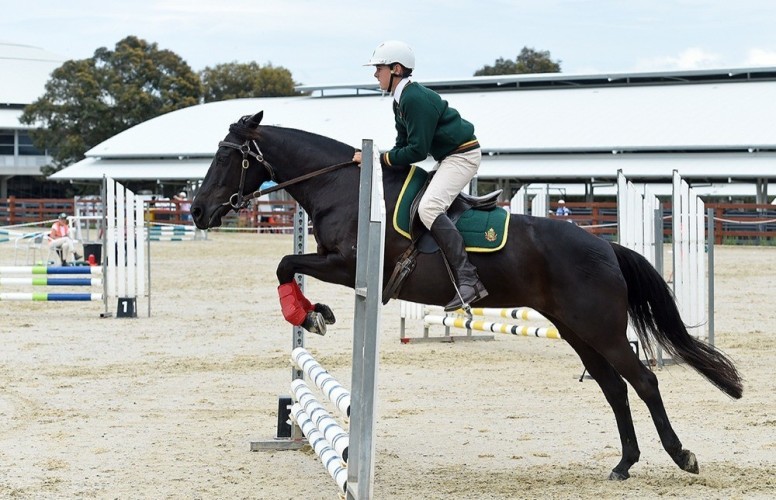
451,242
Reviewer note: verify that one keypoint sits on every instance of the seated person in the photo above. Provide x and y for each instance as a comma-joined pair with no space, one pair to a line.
60,238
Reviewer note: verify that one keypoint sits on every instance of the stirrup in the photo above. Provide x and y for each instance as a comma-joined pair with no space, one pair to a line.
461,302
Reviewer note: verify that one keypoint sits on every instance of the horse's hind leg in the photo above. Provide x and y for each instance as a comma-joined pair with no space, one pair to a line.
616,392
618,352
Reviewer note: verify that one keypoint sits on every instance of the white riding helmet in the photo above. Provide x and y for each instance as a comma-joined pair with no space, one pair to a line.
392,51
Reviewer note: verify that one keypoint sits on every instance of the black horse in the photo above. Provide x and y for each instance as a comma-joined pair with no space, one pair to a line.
586,286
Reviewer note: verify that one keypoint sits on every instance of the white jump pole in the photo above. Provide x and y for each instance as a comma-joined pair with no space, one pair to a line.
333,432
328,385
329,457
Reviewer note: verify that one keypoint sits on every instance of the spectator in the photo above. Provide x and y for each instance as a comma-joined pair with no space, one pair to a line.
183,205
563,210
60,239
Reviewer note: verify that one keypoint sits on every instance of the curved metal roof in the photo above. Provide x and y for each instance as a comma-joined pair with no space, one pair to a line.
730,116
679,121
25,70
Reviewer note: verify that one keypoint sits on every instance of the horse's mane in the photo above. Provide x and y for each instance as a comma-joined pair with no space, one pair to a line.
243,129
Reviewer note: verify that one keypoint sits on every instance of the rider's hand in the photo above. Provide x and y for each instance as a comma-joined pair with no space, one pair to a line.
357,157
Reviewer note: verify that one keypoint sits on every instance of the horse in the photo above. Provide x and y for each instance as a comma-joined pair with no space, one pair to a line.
587,286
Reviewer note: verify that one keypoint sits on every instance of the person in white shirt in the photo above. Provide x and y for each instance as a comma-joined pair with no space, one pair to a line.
563,210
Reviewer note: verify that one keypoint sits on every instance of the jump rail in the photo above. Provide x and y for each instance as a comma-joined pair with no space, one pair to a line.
122,274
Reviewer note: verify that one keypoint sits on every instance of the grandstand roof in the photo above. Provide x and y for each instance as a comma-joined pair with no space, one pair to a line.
25,70
706,124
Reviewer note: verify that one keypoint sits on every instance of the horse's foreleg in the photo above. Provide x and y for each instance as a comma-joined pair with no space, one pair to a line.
331,268
297,309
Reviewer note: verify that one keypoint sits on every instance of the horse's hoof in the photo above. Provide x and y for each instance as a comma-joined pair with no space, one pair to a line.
314,323
328,315
687,462
618,476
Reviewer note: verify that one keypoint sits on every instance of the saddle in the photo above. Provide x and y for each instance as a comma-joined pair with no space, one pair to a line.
421,236
421,240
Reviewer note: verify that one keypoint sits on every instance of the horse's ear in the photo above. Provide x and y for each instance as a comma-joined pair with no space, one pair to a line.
255,119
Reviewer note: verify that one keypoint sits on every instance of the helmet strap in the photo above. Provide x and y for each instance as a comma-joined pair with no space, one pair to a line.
390,81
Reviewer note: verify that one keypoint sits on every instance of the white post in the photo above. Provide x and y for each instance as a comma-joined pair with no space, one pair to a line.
690,277
109,251
140,240
517,203
131,238
121,239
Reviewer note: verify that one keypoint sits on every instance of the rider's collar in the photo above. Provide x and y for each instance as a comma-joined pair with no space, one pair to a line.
399,87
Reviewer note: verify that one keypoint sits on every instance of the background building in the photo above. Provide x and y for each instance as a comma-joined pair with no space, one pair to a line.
569,132
25,71
574,132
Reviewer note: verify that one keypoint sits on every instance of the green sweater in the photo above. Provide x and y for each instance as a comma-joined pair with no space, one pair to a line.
427,125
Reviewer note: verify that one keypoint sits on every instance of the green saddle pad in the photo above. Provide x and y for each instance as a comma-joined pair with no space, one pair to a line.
483,231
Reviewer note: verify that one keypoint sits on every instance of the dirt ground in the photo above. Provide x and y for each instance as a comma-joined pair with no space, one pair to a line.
166,406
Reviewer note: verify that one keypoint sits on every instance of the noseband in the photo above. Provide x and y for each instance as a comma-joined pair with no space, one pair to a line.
237,200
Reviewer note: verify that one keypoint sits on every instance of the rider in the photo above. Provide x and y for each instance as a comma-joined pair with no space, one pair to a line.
427,125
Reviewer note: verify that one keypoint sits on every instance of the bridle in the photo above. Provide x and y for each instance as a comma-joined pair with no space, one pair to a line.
237,201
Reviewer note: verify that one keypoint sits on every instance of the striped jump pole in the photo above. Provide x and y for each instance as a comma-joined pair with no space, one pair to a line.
51,276
172,233
329,458
46,281
326,436
51,297
328,385
435,315
520,313
41,270
333,432
488,326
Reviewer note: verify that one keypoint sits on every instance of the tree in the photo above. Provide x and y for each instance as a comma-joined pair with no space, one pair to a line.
235,80
90,100
528,61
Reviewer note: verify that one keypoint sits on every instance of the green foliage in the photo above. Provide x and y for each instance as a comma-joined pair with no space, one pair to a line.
90,100
528,61
235,80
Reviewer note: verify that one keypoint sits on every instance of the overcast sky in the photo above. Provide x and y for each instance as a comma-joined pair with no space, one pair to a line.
327,42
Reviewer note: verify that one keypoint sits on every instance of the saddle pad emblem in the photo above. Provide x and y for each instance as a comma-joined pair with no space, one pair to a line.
491,235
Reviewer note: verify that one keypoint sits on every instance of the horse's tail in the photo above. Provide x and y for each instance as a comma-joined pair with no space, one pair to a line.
653,312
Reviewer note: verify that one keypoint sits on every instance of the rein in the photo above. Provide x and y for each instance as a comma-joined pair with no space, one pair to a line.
238,201
282,185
